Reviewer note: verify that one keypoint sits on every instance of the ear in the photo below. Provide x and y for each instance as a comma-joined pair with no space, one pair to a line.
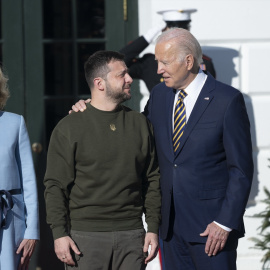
189,61
99,83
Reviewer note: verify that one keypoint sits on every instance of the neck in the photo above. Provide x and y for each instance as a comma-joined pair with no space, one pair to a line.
188,81
103,105
192,75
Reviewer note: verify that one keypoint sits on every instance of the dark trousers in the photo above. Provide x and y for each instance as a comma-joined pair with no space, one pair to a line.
119,250
183,255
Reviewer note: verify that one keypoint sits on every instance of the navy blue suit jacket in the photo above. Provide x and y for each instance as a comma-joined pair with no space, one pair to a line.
210,177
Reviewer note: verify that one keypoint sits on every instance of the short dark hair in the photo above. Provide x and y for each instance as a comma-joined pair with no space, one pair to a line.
97,65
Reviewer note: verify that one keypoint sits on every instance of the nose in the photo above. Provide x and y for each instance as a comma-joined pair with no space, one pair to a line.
160,69
128,79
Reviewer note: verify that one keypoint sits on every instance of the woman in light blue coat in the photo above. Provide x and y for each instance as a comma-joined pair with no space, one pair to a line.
19,221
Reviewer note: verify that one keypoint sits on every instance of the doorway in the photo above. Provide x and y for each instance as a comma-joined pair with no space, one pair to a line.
43,45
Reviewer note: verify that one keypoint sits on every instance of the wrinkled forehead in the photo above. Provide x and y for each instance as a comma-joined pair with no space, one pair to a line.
117,67
115,63
166,48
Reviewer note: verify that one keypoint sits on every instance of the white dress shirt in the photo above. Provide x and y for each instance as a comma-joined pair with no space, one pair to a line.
193,90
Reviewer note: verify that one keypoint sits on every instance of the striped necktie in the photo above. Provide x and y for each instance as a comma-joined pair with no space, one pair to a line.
179,120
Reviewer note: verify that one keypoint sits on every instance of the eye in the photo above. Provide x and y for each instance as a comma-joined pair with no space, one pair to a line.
165,63
121,75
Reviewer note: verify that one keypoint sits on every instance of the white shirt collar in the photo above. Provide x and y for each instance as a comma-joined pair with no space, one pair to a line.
194,88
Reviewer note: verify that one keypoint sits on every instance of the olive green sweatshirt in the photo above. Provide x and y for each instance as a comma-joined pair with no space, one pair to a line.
102,173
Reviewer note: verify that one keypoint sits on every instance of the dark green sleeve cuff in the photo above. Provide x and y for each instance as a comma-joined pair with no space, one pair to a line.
153,227
59,232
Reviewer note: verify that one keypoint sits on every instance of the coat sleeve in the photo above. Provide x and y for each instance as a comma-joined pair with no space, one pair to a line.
209,65
149,105
238,149
28,183
58,177
131,51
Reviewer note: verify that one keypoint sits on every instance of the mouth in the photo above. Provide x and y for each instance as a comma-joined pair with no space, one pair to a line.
127,88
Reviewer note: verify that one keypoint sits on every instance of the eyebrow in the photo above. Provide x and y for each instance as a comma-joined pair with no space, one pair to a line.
126,70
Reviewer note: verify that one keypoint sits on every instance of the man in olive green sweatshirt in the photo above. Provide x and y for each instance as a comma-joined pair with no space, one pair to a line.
102,174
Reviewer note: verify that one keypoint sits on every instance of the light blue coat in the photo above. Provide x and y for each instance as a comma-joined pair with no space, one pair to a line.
17,172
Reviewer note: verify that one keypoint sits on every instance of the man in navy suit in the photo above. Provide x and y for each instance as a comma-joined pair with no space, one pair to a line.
206,182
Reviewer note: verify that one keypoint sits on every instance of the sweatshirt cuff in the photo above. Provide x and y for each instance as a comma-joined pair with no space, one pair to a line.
153,227
59,232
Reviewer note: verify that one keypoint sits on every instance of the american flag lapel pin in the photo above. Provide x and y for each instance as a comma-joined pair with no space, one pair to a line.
206,98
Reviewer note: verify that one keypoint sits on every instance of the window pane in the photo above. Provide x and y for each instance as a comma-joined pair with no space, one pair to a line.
84,51
58,69
0,20
90,19
57,19
1,57
55,110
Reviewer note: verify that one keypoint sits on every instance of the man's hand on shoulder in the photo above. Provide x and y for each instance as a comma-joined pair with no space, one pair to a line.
217,238
79,106
62,247
151,239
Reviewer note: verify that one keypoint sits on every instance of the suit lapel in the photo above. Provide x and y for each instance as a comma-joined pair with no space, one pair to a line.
204,99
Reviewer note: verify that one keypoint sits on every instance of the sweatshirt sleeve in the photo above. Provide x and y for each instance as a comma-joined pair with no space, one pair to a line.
151,188
58,178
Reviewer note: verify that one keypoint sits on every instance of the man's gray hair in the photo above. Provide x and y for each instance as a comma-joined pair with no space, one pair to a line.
186,43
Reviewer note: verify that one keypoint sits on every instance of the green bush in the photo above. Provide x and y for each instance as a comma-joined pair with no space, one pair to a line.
263,243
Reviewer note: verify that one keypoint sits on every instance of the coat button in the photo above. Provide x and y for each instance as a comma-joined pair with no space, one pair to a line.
175,165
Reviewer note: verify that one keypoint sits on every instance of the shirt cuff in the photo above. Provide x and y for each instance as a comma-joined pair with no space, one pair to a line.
223,227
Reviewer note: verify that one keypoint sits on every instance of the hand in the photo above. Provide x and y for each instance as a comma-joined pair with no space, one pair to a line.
79,106
154,31
151,239
62,248
217,238
26,247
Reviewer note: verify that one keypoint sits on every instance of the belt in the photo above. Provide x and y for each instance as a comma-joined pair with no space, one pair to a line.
6,204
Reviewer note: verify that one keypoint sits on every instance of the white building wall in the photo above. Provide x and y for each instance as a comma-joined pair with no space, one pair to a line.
236,35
